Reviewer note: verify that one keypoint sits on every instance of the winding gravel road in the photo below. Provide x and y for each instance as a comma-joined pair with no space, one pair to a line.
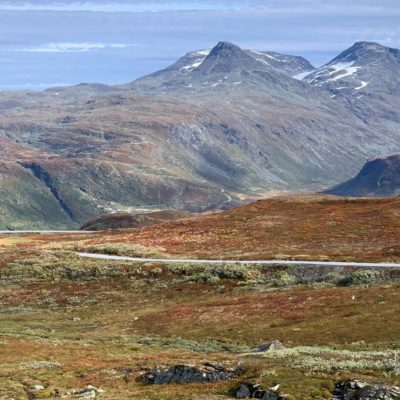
327,264
247,262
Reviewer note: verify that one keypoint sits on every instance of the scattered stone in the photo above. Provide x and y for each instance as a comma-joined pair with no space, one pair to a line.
39,391
183,373
246,390
89,392
254,391
357,390
269,346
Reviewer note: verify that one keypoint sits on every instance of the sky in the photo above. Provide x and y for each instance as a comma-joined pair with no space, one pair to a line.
45,43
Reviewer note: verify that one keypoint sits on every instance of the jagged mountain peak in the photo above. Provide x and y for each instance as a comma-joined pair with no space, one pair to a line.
226,57
225,65
365,71
225,47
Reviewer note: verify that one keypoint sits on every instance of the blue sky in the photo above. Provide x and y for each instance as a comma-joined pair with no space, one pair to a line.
45,43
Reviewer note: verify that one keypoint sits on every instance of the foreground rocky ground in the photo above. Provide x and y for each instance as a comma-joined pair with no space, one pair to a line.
76,328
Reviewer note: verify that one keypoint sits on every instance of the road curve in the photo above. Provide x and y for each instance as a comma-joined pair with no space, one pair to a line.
246,262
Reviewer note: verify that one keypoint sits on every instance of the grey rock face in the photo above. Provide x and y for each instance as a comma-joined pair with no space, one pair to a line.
287,64
183,373
357,390
253,391
270,346
226,57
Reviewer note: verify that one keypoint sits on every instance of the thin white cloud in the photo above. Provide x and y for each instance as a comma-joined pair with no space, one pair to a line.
124,6
357,8
71,47
315,29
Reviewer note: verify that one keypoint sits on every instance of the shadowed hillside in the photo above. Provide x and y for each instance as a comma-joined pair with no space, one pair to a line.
380,177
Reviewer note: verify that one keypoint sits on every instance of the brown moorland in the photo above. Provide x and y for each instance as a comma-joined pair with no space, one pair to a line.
290,227
66,322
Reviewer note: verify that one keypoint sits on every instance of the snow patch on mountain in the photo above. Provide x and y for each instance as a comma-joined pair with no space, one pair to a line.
196,58
331,71
259,53
302,76
333,68
346,72
192,66
205,52
363,84
336,72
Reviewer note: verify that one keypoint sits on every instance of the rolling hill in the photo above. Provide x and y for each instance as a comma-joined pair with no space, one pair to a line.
133,221
312,227
379,177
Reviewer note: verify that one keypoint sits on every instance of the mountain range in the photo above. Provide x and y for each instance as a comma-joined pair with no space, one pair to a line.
216,128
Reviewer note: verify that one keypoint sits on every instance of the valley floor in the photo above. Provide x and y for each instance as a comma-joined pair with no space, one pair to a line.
68,322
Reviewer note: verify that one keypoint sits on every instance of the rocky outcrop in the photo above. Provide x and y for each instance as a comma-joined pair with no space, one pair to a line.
357,390
269,346
253,391
183,373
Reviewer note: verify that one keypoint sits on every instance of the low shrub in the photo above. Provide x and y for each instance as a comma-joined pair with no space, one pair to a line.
365,277
334,278
324,359
209,346
59,266
282,279
213,273
123,249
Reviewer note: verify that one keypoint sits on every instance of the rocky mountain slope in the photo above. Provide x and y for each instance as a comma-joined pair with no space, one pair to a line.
379,177
212,130
225,64
356,70
366,78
